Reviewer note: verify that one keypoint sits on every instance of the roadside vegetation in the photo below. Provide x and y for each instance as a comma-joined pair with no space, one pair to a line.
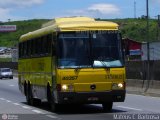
11,39
131,28
5,59
136,29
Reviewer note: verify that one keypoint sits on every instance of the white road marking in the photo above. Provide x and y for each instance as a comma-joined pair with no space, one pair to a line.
2,98
16,104
137,95
143,96
11,85
37,111
51,116
26,107
129,108
8,101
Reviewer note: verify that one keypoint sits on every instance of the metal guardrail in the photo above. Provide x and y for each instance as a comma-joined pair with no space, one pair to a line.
12,65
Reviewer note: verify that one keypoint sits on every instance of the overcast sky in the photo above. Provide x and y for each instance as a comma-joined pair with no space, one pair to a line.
49,9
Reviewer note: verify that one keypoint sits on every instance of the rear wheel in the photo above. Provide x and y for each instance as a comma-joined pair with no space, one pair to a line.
107,107
29,96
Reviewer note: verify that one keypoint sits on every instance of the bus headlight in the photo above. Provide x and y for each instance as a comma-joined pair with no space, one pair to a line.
64,87
117,85
69,87
120,85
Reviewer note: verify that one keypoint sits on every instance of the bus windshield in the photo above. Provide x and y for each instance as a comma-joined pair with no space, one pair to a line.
84,50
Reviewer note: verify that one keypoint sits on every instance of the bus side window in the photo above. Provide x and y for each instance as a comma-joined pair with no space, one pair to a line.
53,44
22,44
29,48
45,45
49,39
36,46
25,49
20,50
40,50
32,47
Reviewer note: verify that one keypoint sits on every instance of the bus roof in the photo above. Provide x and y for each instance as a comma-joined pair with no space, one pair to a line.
70,24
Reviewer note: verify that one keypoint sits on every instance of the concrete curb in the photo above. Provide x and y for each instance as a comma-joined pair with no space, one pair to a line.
141,87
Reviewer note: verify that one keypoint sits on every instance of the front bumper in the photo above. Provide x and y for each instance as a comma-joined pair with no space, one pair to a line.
6,76
90,97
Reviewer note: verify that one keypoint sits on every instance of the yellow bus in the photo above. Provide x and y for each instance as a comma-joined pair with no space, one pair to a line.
74,60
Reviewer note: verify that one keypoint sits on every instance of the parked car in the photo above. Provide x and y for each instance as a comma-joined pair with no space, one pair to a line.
2,51
6,73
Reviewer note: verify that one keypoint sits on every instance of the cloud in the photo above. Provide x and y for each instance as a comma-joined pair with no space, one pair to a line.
19,3
97,10
155,1
7,6
4,13
104,8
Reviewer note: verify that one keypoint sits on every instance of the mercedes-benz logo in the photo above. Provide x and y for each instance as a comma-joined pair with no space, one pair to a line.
93,87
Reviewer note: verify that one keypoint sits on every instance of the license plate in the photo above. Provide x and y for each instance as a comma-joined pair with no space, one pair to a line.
93,99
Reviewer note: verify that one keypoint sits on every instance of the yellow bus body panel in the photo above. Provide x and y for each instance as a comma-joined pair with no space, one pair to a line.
84,78
36,70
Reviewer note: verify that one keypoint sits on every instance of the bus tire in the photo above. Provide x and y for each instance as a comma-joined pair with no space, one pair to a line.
52,105
107,107
25,89
29,96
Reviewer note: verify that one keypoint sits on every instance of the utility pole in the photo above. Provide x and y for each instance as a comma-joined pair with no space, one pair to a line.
148,50
158,27
135,9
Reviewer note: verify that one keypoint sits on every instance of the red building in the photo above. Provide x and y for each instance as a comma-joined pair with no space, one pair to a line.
132,49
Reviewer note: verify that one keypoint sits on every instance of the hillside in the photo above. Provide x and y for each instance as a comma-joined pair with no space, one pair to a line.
132,28
10,39
136,29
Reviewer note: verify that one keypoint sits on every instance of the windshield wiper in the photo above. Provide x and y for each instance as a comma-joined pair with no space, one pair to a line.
103,63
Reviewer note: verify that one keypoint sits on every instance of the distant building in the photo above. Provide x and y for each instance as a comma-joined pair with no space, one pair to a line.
154,48
14,54
133,49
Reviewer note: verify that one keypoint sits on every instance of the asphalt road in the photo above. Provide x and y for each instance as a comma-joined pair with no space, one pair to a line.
13,105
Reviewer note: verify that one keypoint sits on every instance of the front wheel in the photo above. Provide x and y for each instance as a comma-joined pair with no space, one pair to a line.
52,105
107,107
